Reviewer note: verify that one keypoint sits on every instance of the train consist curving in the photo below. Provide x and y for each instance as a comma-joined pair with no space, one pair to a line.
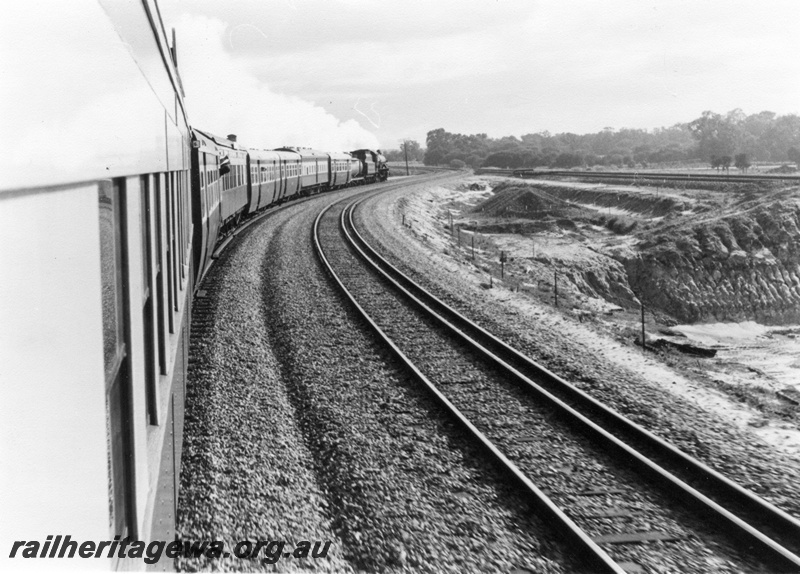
102,243
231,183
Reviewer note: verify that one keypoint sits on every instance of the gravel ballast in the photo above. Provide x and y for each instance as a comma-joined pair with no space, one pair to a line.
298,429
406,491
247,473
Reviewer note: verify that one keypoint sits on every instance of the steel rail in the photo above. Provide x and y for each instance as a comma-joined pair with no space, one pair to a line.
588,549
712,480
671,176
504,355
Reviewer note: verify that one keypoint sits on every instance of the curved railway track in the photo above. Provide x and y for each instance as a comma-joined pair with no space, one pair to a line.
520,413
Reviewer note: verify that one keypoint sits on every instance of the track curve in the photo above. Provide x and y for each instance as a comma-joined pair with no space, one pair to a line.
777,556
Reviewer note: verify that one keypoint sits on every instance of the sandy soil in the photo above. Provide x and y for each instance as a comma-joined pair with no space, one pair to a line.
748,354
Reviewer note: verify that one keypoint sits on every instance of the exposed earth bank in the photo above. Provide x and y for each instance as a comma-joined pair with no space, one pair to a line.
694,256
740,264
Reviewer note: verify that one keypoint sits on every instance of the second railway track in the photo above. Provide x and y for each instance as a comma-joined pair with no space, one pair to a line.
607,497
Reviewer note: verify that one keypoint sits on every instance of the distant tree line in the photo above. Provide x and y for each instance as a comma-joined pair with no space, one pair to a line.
408,148
721,140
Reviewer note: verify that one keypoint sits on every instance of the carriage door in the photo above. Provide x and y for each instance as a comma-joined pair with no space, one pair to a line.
284,179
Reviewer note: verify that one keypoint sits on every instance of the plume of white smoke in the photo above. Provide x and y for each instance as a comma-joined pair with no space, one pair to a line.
223,96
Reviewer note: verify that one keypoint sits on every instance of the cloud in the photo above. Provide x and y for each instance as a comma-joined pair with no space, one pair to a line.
71,104
225,95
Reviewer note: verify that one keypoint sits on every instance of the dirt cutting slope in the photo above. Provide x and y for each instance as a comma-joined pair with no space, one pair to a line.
741,265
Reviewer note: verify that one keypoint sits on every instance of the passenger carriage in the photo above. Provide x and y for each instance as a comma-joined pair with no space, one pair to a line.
290,174
231,172
339,169
266,183
105,226
97,276
314,174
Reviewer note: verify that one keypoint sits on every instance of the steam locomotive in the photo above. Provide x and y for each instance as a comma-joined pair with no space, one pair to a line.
109,213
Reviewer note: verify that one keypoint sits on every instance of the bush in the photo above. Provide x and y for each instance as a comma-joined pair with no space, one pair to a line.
568,160
621,225
457,164
474,161
613,159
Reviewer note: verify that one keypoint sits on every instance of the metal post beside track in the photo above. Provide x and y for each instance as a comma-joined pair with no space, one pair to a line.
555,285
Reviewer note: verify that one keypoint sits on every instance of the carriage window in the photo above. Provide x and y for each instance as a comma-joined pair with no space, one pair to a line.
161,310
113,273
149,319
147,249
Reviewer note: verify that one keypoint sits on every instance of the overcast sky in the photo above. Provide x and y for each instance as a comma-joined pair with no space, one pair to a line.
401,68
386,70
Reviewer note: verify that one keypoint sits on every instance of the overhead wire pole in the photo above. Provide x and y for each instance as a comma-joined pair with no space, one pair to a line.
405,150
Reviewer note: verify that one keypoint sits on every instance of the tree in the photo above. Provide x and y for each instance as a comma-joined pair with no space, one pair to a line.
794,155
412,149
592,159
715,134
474,161
438,146
567,160
758,129
785,134
721,162
742,162
761,136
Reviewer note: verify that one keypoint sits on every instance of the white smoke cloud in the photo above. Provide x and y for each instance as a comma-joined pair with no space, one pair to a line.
223,96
